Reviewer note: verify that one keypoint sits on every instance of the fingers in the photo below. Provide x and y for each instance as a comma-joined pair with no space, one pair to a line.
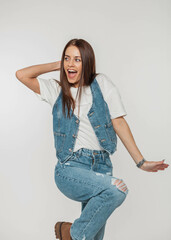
163,165
158,163
160,167
161,162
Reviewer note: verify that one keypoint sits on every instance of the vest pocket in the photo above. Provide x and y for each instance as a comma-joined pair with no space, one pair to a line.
59,141
111,132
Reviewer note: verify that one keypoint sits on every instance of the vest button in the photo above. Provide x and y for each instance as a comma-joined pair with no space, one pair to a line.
77,121
70,149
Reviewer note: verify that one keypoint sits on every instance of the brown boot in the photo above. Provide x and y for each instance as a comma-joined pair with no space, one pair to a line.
62,230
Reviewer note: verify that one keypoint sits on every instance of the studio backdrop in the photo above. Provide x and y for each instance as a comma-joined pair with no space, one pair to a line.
131,40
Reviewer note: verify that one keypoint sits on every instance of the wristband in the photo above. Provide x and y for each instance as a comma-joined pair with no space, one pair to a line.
141,163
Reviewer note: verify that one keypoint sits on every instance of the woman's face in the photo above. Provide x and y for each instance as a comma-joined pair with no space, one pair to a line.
73,62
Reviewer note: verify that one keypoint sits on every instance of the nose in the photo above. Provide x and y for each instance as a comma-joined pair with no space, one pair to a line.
71,62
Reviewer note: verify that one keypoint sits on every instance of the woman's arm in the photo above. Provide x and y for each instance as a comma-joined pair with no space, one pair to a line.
123,131
36,70
28,75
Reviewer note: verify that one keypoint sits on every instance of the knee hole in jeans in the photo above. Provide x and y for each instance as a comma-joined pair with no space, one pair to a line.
119,184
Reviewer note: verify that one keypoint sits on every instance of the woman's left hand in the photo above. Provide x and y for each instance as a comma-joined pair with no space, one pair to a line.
153,166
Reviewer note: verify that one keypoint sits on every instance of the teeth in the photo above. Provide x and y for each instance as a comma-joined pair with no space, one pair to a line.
71,71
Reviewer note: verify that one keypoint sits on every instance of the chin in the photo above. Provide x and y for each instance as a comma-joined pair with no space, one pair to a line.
72,80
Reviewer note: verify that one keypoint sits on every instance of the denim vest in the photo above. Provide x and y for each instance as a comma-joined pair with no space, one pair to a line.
65,130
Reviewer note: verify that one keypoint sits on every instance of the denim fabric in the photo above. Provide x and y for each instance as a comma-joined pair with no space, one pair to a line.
87,177
65,129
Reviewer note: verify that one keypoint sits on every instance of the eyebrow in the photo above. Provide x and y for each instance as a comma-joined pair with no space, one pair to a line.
69,56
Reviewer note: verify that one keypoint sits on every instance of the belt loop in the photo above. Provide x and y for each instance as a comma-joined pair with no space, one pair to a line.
103,156
79,152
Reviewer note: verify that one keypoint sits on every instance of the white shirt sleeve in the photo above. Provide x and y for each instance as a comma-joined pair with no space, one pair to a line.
112,96
49,90
115,103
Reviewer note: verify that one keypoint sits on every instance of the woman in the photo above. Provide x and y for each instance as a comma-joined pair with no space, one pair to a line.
85,132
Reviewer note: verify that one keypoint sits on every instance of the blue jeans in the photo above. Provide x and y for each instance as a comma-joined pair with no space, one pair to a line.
87,177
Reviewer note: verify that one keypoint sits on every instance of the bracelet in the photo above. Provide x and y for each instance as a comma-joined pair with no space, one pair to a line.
141,163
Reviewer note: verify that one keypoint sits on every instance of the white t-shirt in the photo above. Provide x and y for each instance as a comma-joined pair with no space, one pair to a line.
86,138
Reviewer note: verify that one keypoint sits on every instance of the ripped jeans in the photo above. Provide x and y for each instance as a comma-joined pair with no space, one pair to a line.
87,177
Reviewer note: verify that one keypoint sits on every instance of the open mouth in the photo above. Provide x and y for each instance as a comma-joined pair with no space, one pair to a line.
72,73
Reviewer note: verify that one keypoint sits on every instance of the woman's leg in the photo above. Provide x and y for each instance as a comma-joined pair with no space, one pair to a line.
78,180
100,234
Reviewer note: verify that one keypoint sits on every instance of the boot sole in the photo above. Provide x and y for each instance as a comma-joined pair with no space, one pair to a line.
58,230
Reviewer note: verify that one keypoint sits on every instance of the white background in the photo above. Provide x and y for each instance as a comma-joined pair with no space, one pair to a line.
131,41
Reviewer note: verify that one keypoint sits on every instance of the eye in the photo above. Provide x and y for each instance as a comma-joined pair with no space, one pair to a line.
65,58
78,59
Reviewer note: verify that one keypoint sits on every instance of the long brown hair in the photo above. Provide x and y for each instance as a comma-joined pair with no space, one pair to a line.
87,75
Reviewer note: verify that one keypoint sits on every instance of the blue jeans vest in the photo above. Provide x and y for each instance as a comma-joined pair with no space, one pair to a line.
65,130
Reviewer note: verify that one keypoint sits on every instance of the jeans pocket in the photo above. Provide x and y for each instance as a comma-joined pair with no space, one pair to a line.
77,161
